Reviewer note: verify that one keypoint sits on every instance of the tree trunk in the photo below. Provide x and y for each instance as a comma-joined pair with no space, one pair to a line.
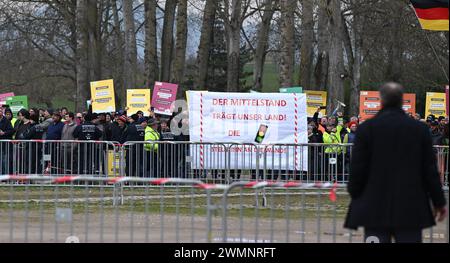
357,64
205,43
82,71
119,54
233,32
95,41
262,45
336,67
393,70
151,55
167,39
323,45
130,61
287,43
307,52
180,51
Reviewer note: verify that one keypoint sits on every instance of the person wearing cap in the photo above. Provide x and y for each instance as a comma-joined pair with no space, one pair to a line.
350,137
116,131
88,131
140,114
134,134
54,133
151,136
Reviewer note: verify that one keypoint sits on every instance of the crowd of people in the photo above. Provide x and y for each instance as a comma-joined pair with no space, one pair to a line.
336,129
60,124
122,127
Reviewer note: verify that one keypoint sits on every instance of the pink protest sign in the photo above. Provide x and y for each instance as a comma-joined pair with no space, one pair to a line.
164,94
4,96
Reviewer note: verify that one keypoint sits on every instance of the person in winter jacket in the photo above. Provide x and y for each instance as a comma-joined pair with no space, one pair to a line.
54,130
69,127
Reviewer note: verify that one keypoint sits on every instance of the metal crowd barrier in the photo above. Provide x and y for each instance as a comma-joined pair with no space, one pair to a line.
216,163
59,158
228,163
129,209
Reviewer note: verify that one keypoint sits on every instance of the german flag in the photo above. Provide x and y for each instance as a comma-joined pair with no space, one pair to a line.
432,14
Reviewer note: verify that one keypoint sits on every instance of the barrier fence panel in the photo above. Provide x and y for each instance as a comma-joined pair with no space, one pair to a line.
130,209
442,153
95,209
201,161
268,212
58,158
215,163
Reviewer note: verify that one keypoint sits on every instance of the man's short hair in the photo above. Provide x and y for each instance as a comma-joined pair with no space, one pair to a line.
71,115
391,94
88,117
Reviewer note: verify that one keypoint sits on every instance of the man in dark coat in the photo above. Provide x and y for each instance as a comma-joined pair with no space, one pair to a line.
394,175
6,133
90,155
134,134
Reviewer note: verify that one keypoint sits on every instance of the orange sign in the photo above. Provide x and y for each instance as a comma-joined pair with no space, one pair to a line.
409,103
370,104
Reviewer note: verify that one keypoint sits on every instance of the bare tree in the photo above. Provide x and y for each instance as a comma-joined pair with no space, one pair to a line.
118,53
336,71
234,13
287,42
307,51
181,42
233,17
82,54
323,45
262,44
203,52
130,61
151,53
167,39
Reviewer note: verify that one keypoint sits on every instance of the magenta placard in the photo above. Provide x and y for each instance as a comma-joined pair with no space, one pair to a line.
4,96
163,95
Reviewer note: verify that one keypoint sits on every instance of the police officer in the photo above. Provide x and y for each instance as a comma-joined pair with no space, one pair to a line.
35,132
152,135
135,132
88,131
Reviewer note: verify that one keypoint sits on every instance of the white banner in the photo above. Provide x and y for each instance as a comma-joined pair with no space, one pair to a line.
238,118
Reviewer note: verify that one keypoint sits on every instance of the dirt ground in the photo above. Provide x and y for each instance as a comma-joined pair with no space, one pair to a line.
140,227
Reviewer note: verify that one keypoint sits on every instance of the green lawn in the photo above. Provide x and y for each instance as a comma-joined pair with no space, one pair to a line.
270,77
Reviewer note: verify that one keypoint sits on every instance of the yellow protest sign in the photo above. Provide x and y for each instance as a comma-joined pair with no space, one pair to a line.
138,100
115,163
314,100
435,104
103,99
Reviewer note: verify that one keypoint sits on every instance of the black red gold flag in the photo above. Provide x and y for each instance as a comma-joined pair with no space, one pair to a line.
432,14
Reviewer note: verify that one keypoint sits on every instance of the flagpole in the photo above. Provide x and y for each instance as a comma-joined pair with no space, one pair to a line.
432,47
